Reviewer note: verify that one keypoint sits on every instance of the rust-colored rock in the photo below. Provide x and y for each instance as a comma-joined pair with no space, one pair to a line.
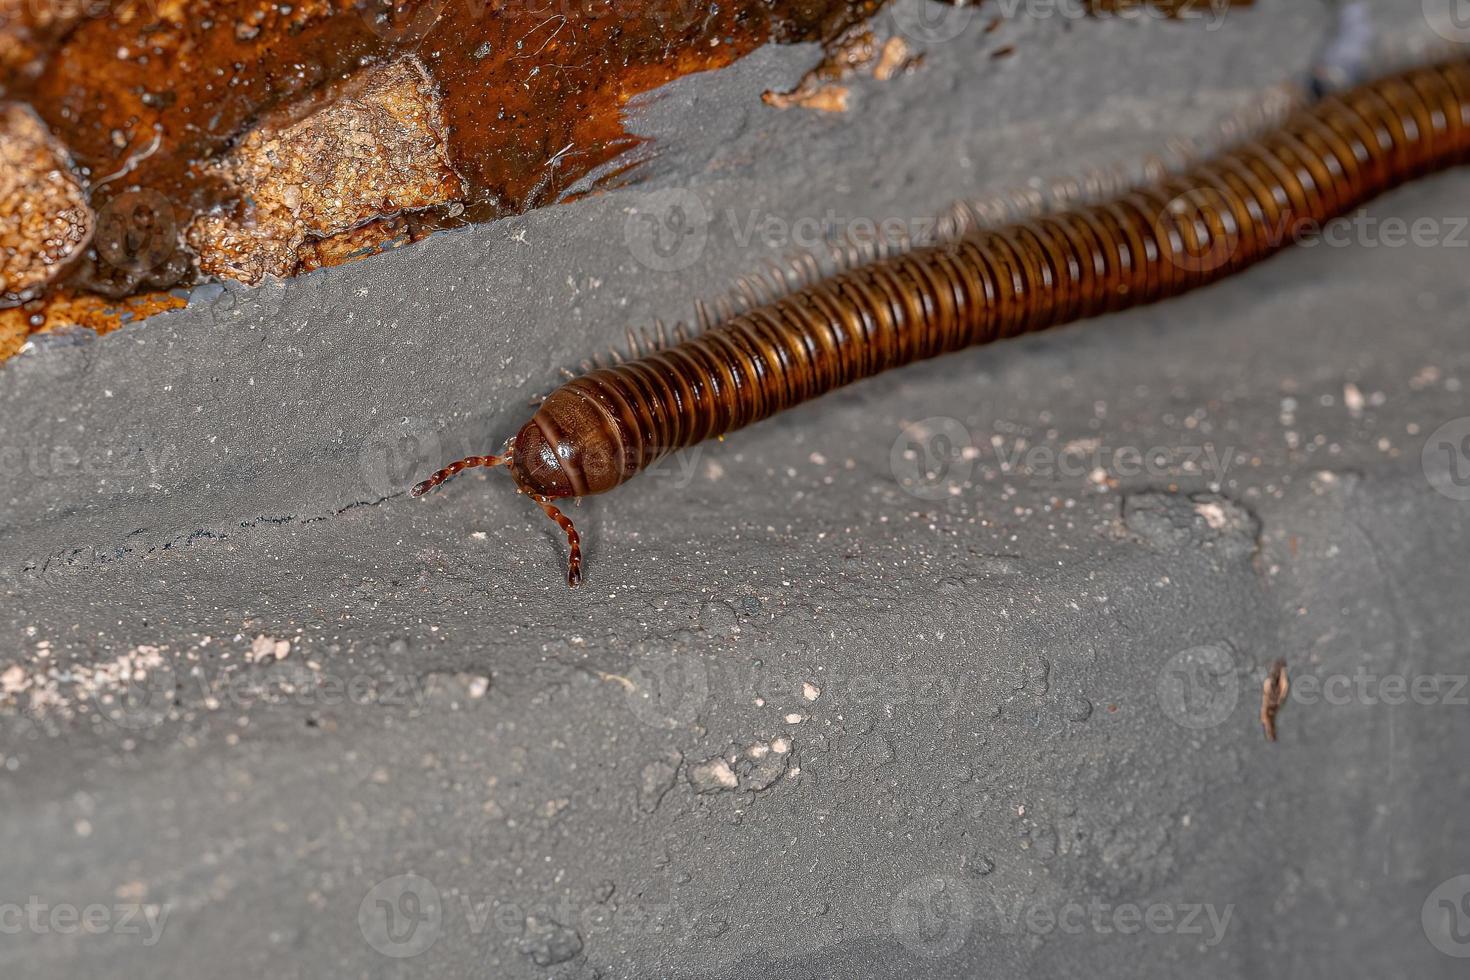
378,148
214,124
151,94
62,310
369,239
44,217
27,29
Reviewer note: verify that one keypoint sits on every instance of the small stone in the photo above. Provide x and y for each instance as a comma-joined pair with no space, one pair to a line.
713,776
810,691
13,681
548,942
1213,514
264,648
760,775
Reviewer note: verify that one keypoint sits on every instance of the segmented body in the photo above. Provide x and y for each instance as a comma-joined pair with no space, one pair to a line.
1151,243
1182,232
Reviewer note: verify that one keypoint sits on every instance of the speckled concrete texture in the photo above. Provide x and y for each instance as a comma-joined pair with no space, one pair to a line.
955,673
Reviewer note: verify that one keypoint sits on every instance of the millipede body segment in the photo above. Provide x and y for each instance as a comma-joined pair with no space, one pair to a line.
1147,244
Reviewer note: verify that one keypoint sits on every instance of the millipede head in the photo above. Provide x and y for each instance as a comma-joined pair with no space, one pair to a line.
511,459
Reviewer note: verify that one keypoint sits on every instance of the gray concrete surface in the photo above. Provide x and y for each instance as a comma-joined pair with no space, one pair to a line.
997,721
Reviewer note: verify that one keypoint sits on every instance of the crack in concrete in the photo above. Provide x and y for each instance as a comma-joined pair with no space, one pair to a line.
51,568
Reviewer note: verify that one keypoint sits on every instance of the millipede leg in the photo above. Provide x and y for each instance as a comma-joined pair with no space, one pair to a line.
453,468
574,540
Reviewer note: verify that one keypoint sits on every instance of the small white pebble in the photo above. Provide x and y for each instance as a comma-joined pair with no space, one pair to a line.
13,680
1213,514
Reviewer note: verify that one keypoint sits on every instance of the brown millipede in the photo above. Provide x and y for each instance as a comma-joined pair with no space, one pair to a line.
1178,233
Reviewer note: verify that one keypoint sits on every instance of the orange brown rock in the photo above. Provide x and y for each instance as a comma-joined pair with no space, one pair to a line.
44,217
894,59
65,309
376,149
